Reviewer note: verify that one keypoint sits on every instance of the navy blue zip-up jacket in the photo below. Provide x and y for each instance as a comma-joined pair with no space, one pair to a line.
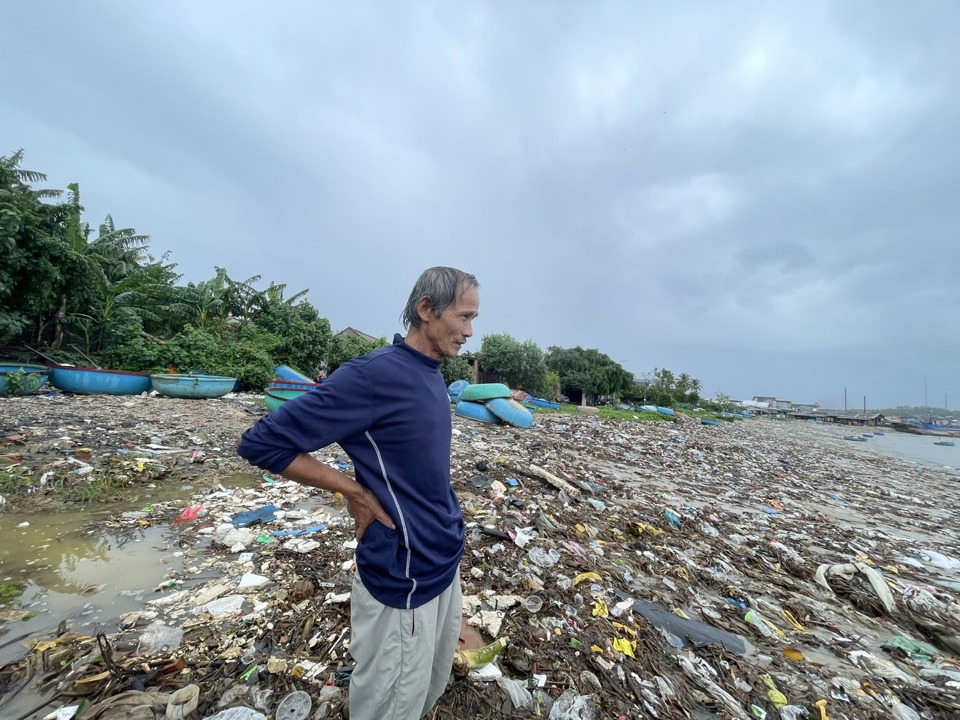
390,412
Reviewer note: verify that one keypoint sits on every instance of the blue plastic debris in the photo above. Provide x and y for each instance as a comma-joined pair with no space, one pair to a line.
267,513
299,531
672,518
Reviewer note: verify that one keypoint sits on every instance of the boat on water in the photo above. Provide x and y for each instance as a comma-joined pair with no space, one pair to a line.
945,443
950,425
855,438
916,427
193,386
98,381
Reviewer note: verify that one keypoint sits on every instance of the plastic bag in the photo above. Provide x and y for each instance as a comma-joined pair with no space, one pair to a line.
519,695
573,706
793,712
522,536
159,638
229,605
237,713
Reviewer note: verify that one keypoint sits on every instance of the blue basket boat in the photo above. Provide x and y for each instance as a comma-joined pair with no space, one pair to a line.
36,377
193,386
99,381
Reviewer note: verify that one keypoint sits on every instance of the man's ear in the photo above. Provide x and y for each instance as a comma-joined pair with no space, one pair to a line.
424,309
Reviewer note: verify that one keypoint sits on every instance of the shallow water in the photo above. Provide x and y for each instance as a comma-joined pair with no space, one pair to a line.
917,448
67,563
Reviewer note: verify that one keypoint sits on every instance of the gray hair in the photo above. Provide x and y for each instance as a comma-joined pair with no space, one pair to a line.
441,286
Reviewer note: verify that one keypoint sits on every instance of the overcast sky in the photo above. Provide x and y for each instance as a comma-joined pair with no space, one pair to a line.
762,195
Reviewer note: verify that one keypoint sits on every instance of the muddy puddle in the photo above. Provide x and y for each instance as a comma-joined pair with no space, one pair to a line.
74,563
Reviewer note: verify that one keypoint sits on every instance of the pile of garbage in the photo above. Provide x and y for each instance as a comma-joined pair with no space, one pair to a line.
666,570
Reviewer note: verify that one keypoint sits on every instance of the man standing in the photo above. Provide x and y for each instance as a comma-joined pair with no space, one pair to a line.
390,412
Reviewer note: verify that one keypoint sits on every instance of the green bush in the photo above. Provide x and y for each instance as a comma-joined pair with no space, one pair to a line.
454,369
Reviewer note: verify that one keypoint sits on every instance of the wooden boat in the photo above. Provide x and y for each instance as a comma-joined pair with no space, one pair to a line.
193,386
98,381
275,397
945,443
855,438
35,377
709,421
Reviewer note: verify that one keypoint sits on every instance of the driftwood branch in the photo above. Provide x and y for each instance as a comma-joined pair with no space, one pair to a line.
148,336
558,483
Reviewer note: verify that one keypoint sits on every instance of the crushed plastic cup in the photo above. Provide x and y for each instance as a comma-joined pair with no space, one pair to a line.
295,706
543,558
182,702
532,603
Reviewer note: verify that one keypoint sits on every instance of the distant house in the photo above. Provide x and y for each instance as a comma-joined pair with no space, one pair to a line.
353,332
840,418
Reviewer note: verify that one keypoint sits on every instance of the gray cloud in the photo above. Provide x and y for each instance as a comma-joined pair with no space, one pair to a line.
761,196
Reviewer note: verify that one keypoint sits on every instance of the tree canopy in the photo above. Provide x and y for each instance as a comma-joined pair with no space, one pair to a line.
588,372
66,289
521,365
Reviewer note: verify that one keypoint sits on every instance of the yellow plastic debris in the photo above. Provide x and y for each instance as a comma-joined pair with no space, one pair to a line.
774,694
626,628
627,647
792,654
586,576
600,609
793,621
644,527
822,705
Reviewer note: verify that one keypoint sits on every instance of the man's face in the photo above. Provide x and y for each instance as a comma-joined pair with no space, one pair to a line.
446,334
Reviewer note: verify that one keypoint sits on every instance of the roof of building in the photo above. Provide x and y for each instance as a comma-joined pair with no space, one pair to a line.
353,332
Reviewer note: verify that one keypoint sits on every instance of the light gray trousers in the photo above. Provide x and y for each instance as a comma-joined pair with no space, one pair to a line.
403,657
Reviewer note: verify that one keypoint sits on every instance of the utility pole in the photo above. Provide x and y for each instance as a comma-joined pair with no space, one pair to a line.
924,390
844,399
864,404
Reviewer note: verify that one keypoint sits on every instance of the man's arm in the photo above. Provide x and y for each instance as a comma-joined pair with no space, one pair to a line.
362,504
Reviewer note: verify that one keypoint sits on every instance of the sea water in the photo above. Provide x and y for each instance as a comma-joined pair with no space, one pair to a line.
917,448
